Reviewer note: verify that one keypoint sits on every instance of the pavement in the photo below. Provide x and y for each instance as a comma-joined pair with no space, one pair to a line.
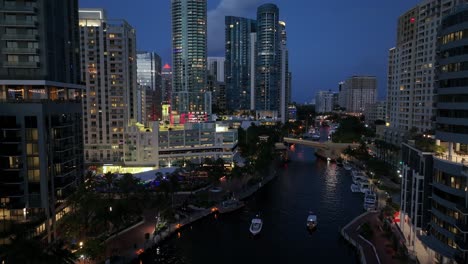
128,243
385,253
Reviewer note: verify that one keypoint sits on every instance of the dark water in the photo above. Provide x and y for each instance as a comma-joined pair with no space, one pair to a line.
306,184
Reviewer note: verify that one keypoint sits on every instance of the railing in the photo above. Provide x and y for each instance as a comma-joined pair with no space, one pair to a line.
17,8
21,64
20,50
39,101
18,22
462,159
462,226
20,36
461,243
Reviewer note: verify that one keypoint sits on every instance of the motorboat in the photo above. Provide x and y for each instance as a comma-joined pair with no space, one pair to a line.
364,186
256,225
312,221
230,206
359,177
315,137
346,166
355,188
370,200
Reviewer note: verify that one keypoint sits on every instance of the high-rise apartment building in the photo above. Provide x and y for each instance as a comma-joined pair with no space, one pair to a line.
341,95
285,75
360,91
325,101
410,91
41,140
375,111
448,232
240,62
189,34
109,69
149,75
166,74
215,67
436,207
268,60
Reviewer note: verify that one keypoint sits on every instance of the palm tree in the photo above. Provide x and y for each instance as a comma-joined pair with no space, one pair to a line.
109,178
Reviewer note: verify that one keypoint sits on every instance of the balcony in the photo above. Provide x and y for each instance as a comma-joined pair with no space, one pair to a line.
20,37
17,23
461,243
462,209
21,64
462,226
20,51
17,8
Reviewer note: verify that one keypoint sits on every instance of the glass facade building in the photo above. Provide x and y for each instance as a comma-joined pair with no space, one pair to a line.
239,62
268,59
149,75
189,36
41,139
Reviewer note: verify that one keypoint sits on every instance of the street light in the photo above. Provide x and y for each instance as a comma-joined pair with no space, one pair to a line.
110,208
81,245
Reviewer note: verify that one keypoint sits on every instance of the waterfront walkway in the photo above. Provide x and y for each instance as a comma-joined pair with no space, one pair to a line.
377,249
132,241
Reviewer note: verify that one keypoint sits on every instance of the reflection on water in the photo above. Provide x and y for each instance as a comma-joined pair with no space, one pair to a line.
305,185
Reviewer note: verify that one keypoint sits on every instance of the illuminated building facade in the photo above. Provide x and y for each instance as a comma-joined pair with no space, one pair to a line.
110,72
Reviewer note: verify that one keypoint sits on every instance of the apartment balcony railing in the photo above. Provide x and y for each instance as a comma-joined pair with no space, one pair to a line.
21,64
20,37
17,8
462,226
462,209
462,244
456,158
20,51
18,23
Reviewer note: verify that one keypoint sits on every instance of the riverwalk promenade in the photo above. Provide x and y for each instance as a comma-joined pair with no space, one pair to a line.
132,242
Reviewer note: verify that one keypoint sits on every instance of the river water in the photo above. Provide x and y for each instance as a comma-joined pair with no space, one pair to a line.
306,184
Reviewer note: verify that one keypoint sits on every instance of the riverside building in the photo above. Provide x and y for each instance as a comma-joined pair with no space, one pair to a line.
41,139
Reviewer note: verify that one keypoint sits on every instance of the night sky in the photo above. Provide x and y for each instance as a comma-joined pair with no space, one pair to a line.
327,40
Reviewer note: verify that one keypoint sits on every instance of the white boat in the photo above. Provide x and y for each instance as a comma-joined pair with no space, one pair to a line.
230,205
370,201
346,166
364,186
311,221
359,177
256,225
355,188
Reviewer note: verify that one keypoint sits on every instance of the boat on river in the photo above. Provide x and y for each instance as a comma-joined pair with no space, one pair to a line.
230,206
312,221
256,225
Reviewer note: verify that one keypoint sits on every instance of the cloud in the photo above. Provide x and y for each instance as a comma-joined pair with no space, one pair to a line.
216,21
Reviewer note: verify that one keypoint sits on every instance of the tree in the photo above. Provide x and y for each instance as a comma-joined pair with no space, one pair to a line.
128,184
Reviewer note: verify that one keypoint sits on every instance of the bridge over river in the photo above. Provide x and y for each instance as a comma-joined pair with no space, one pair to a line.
325,149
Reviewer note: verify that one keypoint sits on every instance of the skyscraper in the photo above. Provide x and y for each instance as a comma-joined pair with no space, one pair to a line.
360,92
166,83
110,73
324,101
285,75
216,68
449,212
149,75
189,34
410,93
268,63
41,140
240,59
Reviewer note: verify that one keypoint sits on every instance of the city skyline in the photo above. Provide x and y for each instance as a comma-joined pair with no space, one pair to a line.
319,70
